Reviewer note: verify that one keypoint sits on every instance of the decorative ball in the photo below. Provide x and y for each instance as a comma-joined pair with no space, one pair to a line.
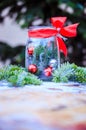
48,71
53,63
30,50
32,68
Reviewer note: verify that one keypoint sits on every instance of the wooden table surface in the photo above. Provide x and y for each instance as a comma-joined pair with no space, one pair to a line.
51,106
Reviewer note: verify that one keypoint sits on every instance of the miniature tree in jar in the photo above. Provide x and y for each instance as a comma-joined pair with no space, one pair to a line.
44,46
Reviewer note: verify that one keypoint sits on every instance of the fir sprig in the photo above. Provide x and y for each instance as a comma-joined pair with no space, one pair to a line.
18,76
70,72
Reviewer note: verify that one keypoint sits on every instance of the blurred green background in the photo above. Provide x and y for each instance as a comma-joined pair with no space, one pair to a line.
38,12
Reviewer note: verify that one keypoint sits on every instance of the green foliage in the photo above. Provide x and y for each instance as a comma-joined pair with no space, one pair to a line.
24,12
43,54
38,50
80,74
70,72
1,74
18,76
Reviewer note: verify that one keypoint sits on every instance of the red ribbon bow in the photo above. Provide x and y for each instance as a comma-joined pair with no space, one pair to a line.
58,30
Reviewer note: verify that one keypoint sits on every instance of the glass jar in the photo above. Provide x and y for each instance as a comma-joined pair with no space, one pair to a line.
41,56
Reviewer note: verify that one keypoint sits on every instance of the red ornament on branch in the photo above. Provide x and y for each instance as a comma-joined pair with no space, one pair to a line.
48,71
31,50
32,68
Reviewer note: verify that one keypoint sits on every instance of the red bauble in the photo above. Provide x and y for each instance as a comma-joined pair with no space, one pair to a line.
48,71
30,50
32,68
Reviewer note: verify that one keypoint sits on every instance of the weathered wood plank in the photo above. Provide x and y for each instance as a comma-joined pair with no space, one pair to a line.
50,106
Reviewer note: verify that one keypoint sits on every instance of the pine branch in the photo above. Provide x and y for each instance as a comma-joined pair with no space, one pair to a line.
70,72
18,76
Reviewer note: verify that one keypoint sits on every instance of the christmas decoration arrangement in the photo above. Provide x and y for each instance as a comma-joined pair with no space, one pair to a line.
19,76
44,46
42,58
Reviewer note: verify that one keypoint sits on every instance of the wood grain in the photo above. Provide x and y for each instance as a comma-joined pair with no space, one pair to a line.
47,107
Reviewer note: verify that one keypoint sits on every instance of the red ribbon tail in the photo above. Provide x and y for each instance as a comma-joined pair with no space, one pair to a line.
62,46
